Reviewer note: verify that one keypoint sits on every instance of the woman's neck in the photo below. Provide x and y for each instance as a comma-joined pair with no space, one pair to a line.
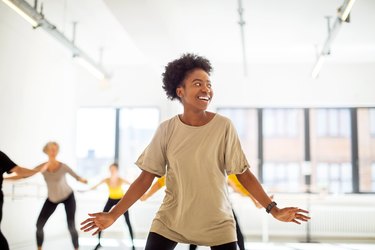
52,160
196,118
114,177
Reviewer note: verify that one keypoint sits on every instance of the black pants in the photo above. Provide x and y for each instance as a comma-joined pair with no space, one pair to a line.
156,241
110,203
3,242
240,239
48,208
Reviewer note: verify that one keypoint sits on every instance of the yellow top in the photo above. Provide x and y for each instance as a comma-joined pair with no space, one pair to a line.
161,181
115,193
236,182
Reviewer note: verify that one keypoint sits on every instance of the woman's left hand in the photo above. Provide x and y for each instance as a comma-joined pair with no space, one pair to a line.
290,214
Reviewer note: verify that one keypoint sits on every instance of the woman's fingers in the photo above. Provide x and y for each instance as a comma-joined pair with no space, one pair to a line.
303,211
91,228
88,225
97,231
296,221
86,221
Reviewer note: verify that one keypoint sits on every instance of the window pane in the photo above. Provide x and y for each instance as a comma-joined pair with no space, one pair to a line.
321,118
366,147
269,123
137,127
95,140
331,150
283,149
343,123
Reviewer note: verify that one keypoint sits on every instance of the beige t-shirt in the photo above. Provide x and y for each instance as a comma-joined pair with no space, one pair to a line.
196,161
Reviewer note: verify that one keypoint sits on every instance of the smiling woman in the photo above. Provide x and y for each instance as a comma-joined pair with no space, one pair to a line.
195,150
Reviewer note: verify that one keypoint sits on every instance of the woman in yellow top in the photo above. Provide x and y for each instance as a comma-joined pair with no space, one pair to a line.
116,192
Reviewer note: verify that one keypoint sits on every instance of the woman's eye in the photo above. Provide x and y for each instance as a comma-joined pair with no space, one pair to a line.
198,84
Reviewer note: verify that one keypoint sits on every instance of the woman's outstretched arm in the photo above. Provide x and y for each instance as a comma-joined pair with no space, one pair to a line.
288,214
101,221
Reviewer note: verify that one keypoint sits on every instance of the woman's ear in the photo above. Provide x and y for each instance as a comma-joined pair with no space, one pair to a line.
179,92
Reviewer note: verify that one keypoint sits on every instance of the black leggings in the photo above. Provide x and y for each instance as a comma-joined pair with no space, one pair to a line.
156,241
240,239
110,203
3,242
48,208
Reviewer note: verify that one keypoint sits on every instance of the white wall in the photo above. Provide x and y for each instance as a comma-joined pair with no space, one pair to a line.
290,84
38,82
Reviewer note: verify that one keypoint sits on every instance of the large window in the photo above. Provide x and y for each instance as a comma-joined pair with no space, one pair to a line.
137,126
282,144
286,164
97,136
95,140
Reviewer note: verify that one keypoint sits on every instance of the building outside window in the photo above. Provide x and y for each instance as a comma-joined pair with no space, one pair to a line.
333,122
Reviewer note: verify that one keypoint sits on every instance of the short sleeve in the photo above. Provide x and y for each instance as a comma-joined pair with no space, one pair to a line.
153,158
6,164
234,158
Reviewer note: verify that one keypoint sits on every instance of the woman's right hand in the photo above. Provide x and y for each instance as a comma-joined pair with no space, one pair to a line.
97,222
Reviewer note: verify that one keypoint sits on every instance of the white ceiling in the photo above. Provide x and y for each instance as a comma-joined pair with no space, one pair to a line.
155,31
275,30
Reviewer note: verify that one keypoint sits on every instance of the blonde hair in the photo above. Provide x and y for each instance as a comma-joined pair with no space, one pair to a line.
45,148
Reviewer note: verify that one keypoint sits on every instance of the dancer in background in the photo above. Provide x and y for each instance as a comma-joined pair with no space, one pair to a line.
195,150
8,166
116,192
58,192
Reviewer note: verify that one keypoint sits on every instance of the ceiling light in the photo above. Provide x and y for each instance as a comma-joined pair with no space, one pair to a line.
347,7
37,19
21,12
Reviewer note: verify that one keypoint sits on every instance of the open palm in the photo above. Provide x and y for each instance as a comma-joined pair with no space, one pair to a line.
291,214
97,222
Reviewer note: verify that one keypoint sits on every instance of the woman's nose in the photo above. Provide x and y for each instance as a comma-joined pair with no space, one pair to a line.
206,89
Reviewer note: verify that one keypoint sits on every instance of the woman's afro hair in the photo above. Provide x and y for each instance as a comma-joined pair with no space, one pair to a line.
177,70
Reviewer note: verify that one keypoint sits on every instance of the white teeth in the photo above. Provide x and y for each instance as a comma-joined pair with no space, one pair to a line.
206,98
